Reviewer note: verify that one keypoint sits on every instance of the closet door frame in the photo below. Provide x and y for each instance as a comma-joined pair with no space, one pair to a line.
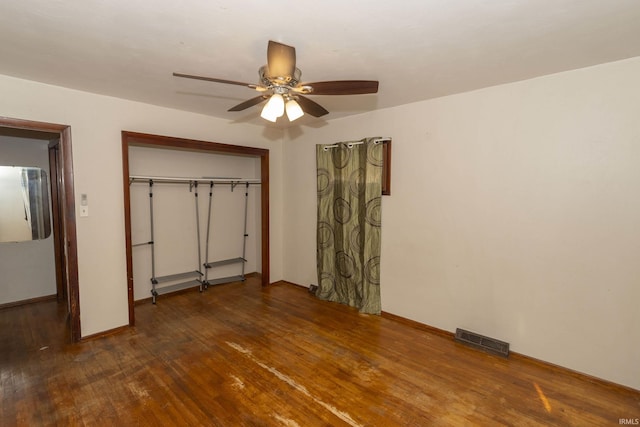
136,139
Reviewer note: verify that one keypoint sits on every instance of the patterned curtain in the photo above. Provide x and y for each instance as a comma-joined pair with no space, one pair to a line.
349,219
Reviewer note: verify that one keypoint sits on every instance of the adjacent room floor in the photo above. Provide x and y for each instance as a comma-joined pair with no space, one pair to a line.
240,355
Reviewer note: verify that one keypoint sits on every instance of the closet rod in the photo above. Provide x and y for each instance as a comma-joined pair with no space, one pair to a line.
183,180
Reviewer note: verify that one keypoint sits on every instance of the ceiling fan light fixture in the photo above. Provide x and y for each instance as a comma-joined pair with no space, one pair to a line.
294,111
280,84
274,108
268,117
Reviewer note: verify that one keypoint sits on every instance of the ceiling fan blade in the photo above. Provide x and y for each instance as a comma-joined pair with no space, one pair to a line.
212,79
343,87
311,107
281,60
249,103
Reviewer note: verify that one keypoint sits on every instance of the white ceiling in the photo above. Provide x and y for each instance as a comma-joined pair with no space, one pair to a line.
417,49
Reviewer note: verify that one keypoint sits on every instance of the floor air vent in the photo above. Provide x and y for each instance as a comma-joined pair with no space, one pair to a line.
487,344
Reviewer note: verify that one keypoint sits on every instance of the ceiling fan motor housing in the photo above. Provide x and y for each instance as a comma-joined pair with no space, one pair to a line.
268,80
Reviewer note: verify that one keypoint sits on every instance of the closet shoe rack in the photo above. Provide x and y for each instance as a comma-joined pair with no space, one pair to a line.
196,278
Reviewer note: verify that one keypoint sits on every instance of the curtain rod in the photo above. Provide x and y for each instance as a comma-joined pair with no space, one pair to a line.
351,144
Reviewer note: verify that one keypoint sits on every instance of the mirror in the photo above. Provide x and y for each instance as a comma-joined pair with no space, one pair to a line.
24,204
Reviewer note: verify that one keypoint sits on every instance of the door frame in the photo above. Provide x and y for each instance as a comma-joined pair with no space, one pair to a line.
131,139
64,214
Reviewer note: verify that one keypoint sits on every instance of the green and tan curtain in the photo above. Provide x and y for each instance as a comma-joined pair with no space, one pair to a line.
349,219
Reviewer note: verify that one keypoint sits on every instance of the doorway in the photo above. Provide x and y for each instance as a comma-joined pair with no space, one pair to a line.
130,139
63,212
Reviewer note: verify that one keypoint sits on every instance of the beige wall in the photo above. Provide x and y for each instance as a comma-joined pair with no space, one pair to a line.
96,124
514,213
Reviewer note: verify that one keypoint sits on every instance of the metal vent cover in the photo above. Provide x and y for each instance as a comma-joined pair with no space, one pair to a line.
490,345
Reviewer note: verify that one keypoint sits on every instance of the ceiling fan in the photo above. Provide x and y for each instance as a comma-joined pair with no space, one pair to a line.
280,84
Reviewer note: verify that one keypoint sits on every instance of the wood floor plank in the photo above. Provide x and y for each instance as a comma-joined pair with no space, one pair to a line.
243,355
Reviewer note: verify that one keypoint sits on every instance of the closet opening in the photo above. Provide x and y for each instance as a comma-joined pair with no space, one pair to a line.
133,147
56,138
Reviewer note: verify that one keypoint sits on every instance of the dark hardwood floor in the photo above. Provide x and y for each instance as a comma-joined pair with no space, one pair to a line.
240,355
